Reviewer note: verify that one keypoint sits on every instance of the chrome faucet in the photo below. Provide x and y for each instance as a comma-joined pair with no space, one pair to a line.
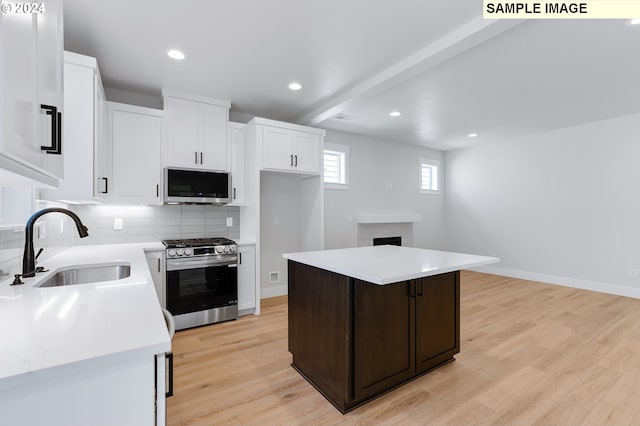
28,259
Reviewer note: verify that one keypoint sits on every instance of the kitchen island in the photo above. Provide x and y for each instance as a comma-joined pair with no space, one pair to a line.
365,320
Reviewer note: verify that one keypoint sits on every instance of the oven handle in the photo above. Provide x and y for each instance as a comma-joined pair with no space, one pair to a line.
182,264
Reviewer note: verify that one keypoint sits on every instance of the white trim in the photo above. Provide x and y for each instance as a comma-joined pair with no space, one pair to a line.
192,97
388,218
601,287
289,126
273,291
340,186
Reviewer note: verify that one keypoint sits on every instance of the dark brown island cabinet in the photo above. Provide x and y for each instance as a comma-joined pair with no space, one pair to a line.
354,340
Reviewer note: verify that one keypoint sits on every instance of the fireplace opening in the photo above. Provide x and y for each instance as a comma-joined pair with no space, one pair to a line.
392,241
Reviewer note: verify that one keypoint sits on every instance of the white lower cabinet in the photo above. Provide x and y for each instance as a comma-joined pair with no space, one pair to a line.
120,391
247,293
156,262
135,136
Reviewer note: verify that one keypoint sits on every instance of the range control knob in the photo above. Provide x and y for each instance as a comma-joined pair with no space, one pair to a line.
180,252
219,249
233,249
188,252
171,252
227,249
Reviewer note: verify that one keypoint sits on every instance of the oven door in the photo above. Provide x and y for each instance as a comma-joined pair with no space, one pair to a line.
194,286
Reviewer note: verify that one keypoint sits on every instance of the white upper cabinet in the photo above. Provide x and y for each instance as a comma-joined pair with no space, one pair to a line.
31,75
289,147
196,131
50,85
135,135
237,147
86,156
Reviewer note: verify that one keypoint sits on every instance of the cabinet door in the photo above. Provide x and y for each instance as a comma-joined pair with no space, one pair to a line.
155,260
78,136
136,139
50,71
277,149
20,111
246,277
384,351
183,148
237,146
102,177
437,320
213,125
307,152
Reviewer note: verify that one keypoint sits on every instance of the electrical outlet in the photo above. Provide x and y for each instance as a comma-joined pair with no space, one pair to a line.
633,273
117,224
276,221
229,222
274,277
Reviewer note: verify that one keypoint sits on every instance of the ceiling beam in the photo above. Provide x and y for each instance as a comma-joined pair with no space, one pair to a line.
465,37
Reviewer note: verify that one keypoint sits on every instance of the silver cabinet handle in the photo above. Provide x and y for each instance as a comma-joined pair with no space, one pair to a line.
158,264
200,158
234,193
196,158
239,258
291,160
296,160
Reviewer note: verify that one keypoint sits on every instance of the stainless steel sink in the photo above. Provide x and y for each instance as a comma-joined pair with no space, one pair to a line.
87,274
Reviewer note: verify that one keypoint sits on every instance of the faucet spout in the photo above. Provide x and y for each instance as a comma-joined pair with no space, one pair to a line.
29,259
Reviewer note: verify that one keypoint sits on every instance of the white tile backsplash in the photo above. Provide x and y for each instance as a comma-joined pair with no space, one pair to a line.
156,223
140,224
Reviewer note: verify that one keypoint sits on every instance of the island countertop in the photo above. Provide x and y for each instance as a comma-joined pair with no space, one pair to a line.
389,264
45,331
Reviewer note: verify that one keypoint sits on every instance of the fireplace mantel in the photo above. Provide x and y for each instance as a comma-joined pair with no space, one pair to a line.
388,218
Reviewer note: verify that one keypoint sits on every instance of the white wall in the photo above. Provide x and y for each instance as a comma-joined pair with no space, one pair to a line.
279,228
561,206
373,163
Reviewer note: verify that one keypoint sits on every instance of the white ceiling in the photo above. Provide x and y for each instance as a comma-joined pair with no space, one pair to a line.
445,68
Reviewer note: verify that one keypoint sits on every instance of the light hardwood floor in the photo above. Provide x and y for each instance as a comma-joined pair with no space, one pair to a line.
531,353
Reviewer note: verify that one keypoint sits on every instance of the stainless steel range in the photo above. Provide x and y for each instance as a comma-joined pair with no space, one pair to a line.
202,281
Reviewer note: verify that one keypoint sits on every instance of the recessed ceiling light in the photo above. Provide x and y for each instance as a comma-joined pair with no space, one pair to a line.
472,135
395,114
176,54
295,86
634,21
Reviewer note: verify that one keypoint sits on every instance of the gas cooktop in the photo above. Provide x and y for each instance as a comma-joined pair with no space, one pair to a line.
198,242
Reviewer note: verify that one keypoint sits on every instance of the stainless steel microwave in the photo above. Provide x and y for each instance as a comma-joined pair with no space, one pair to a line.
196,186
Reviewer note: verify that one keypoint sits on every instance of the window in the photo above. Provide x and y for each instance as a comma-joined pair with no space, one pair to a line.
429,176
336,159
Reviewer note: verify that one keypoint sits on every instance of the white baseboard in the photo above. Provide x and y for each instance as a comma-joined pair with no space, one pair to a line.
601,287
273,291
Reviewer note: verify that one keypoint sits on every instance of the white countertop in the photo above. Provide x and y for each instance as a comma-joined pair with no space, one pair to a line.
389,264
44,330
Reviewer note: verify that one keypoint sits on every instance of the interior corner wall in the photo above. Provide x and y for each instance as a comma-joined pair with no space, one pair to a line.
561,206
373,163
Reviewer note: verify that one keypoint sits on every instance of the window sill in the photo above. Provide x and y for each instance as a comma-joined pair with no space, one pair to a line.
429,192
338,186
